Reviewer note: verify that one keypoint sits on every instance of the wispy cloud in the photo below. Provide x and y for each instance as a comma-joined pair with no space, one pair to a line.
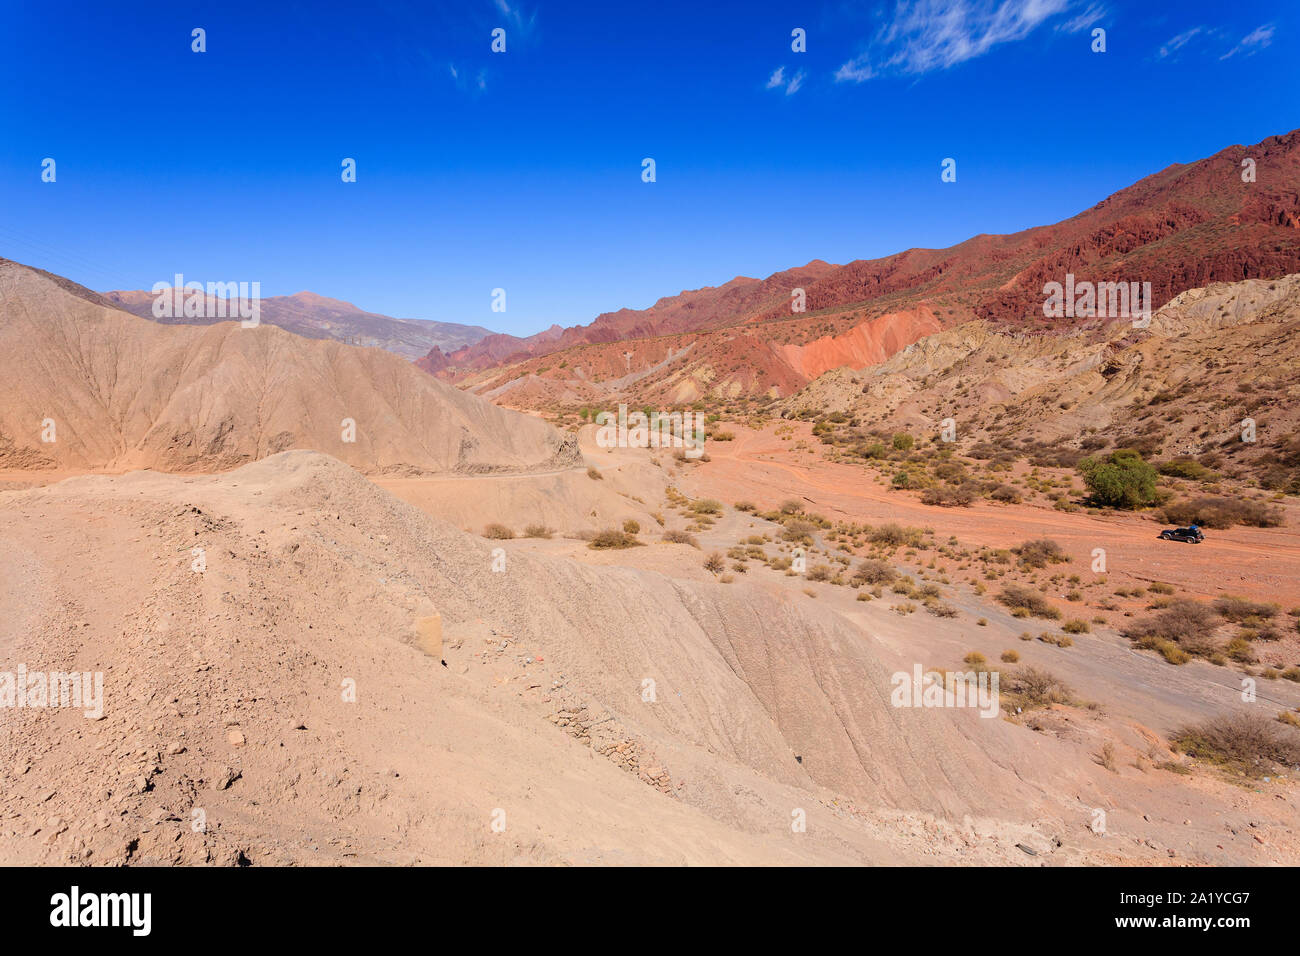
778,80
1174,44
1252,42
1084,20
928,35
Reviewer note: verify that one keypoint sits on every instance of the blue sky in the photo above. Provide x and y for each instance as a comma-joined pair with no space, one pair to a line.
522,170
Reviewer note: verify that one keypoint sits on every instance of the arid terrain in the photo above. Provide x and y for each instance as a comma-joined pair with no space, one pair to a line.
372,603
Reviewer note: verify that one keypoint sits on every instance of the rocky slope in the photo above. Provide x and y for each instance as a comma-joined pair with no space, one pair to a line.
319,317
85,386
1182,388
287,702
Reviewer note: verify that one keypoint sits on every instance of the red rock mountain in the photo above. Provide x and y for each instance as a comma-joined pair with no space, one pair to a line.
691,311
1181,228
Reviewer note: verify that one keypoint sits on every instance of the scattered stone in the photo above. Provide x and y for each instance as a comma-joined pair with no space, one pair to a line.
227,776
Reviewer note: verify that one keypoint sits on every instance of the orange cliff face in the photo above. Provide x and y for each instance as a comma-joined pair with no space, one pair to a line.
867,344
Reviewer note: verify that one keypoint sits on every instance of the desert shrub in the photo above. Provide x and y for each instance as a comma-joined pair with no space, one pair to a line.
745,506
975,660
680,537
903,442
1005,493
1243,742
1033,687
1188,468
874,571
906,478
819,572
1238,609
796,529
1041,552
1010,657
715,562
706,506
1186,623
632,526
498,532
537,531
1172,652
940,609
790,506
594,473
613,538
1161,588
1020,598
949,496
953,472
1222,513
1240,651
1120,480
895,535
1075,626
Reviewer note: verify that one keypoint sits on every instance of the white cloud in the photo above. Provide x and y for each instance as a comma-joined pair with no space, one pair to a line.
927,35
1174,44
1084,20
856,70
778,80
1252,42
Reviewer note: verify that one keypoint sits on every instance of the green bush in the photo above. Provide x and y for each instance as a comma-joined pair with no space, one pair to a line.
1121,479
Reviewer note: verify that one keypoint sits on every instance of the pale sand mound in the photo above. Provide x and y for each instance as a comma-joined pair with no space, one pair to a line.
315,576
123,392
629,485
